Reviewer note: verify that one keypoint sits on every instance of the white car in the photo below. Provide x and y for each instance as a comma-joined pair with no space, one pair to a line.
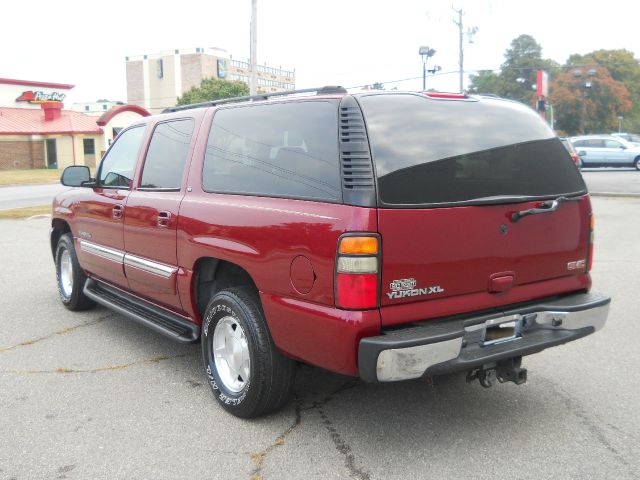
606,151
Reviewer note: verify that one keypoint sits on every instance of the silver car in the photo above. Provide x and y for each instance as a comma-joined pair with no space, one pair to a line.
606,151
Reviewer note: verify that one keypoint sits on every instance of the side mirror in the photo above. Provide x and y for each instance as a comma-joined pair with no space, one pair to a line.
582,153
75,176
623,147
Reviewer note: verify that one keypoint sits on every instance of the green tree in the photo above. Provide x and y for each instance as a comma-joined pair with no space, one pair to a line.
623,68
486,81
213,89
377,86
517,76
588,104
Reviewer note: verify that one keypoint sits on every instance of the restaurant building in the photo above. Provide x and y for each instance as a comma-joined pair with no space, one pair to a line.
37,132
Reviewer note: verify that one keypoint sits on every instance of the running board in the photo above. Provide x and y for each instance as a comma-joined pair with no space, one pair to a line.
166,323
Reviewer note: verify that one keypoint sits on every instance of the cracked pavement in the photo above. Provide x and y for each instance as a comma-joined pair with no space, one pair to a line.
92,395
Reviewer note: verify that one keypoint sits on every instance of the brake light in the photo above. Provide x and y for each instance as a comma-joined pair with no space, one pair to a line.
575,157
592,227
357,272
445,95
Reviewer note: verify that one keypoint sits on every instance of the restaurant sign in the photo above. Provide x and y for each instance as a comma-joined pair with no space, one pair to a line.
41,97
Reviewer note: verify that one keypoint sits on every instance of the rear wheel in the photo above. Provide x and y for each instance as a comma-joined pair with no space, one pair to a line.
246,372
70,277
636,163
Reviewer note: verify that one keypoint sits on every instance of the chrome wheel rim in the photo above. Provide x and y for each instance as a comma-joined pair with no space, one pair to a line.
66,273
231,354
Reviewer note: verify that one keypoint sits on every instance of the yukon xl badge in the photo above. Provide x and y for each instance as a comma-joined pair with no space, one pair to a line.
406,287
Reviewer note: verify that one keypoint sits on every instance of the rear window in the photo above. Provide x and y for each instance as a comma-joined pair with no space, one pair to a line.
279,150
432,152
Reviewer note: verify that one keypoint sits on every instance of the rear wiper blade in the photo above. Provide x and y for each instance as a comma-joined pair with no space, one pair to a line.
545,207
499,199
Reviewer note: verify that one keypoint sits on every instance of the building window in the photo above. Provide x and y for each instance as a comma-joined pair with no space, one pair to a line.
86,108
160,68
89,145
104,107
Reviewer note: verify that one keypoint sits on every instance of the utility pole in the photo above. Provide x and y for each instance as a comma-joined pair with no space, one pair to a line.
461,51
253,67
461,33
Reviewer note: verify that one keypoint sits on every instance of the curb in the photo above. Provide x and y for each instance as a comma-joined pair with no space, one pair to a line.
614,194
28,184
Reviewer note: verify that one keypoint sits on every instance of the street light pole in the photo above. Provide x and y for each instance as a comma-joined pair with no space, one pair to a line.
425,53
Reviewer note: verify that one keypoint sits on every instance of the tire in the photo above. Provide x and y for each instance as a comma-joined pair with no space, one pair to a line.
70,276
255,378
636,163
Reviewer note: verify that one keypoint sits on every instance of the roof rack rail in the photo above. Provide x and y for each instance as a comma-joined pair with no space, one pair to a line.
326,90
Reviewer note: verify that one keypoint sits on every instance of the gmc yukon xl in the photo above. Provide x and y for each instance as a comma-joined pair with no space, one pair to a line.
385,235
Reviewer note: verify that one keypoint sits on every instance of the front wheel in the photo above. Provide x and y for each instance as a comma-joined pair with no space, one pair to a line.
70,277
247,373
636,163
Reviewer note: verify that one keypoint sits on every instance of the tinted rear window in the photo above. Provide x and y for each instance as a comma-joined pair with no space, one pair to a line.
438,151
278,150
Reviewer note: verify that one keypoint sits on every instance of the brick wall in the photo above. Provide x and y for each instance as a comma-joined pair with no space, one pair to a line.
21,154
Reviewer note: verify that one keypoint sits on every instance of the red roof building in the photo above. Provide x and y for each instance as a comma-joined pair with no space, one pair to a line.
36,131
23,121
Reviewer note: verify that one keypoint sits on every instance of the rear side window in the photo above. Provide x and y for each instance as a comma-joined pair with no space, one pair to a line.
429,152
592,143
278,150
167,154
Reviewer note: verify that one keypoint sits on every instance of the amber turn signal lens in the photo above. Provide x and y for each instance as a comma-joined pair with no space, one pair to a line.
359,246
593,222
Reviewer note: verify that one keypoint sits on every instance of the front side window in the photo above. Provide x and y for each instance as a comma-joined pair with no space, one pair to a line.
116,169
278,150
167,155
612,144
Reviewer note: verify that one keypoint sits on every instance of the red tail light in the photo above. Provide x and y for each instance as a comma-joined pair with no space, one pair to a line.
575,157
357,270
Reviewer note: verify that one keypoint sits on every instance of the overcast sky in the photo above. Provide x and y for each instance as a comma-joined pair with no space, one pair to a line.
346,42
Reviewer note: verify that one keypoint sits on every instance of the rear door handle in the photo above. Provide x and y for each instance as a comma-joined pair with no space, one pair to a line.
164,219
117,212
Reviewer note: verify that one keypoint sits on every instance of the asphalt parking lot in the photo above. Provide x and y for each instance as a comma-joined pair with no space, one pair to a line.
94,396
612,181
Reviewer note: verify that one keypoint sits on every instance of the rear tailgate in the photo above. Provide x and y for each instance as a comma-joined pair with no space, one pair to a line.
478,258
451,174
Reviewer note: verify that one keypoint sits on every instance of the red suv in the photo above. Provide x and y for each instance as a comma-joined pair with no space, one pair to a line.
384,235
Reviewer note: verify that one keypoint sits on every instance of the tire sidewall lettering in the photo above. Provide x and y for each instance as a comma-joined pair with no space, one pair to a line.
217,312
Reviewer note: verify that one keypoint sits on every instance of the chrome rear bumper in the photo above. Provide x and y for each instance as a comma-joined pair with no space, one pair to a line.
435,347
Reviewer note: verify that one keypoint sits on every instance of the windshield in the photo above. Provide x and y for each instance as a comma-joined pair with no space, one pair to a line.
434,152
